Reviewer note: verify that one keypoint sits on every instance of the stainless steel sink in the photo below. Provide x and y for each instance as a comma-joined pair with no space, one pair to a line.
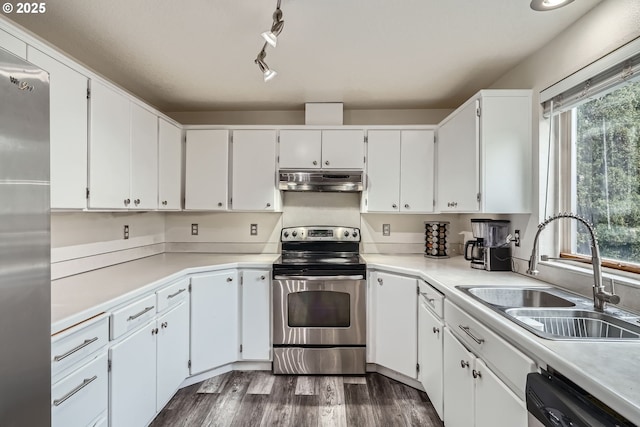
519,297
552,313
574,324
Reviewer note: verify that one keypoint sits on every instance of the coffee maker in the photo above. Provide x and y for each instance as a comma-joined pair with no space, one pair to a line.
491,249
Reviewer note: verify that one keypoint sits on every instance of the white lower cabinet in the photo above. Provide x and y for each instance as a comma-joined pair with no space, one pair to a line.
214,320
395,322
133,378
256,315
172,352
496,405
430,355
459,394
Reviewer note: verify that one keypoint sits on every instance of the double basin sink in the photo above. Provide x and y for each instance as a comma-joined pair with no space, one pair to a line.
552,313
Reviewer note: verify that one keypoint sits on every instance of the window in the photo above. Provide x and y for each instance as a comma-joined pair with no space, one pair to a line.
605,178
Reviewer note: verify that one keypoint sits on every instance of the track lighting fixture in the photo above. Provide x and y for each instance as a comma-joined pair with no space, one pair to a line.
271,38
268,73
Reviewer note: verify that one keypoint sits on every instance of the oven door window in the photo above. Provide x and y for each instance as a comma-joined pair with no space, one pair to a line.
319,309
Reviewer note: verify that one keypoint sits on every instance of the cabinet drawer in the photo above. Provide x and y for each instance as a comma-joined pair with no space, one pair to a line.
433,298
172,294
508,363
133,315
75,343
81,397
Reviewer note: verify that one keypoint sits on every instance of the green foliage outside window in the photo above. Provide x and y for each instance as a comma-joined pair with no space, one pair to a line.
608,172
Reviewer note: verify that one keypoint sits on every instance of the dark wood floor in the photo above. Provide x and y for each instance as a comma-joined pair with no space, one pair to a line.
258,398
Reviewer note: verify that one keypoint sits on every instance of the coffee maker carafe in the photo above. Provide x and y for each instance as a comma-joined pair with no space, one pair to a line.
491,249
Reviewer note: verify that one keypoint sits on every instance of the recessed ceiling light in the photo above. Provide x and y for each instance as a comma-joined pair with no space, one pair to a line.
542,5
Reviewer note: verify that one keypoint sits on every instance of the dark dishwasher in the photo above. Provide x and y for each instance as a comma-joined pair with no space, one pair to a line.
554,401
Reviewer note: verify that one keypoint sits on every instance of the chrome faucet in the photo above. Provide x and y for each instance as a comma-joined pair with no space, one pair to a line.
600,296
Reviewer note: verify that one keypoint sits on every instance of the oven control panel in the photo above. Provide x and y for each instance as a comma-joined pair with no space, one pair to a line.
320,233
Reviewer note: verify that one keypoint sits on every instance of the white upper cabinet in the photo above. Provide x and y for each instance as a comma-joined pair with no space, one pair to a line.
326,149
68,125
144,155
253,179
206,170
300,149
169,166
343,149
484,154
400,171
109,149
13,45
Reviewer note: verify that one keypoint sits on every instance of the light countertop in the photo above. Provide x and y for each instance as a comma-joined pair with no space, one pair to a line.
609,370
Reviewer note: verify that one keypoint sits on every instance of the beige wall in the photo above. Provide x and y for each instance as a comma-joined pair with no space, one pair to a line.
296,117
608,26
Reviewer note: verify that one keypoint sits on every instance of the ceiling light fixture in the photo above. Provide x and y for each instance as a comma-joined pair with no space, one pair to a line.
268,73
543,5
271,38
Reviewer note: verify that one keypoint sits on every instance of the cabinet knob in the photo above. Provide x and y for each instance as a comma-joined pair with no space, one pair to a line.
315,163
394,206
229,279
268,205
164,202
464,364
127,201
164,324
219,204
136,202
326,162
436,330
406,205
380,280
476,374
154,331
262,277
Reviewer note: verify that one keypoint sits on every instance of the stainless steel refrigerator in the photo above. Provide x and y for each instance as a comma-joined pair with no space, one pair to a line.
25,269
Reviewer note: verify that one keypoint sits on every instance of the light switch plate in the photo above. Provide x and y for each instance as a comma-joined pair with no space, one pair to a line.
386,229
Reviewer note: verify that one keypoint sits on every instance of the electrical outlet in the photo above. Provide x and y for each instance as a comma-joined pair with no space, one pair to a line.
126,232
194,229
386,229
253,230
516,237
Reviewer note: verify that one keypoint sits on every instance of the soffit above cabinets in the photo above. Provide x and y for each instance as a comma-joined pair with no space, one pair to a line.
199,55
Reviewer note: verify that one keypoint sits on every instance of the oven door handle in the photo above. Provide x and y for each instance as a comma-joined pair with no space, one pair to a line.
354,277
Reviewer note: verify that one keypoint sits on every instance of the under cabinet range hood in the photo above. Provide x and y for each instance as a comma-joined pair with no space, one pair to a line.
338,181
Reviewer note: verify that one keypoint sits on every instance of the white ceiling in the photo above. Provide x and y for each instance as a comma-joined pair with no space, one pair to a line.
198,55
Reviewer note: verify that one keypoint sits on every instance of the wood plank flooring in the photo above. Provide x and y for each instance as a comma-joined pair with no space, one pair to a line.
259,398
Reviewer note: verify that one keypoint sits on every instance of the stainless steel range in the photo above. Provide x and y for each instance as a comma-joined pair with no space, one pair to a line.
319,302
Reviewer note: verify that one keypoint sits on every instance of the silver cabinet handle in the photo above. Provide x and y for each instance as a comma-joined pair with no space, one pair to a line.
452,204
135,316
127,201
380,280
219,204
394,206
262,277
164,325
464,364
176,294
325,278
154,331
268,205
326,162
476,374
468,332
229,279
315,162
67,396
406,205
73,350
164,202
436,330
136,202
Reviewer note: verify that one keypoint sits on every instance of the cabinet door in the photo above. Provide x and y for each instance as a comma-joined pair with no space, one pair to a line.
109,149
144,159
459,162
172,352
68,124
207,169
13,45
416,171
383,171
342,149
169,166
256,318
459,396
430,355
496,405
300,149
214,320
396,323
254,170
132,397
